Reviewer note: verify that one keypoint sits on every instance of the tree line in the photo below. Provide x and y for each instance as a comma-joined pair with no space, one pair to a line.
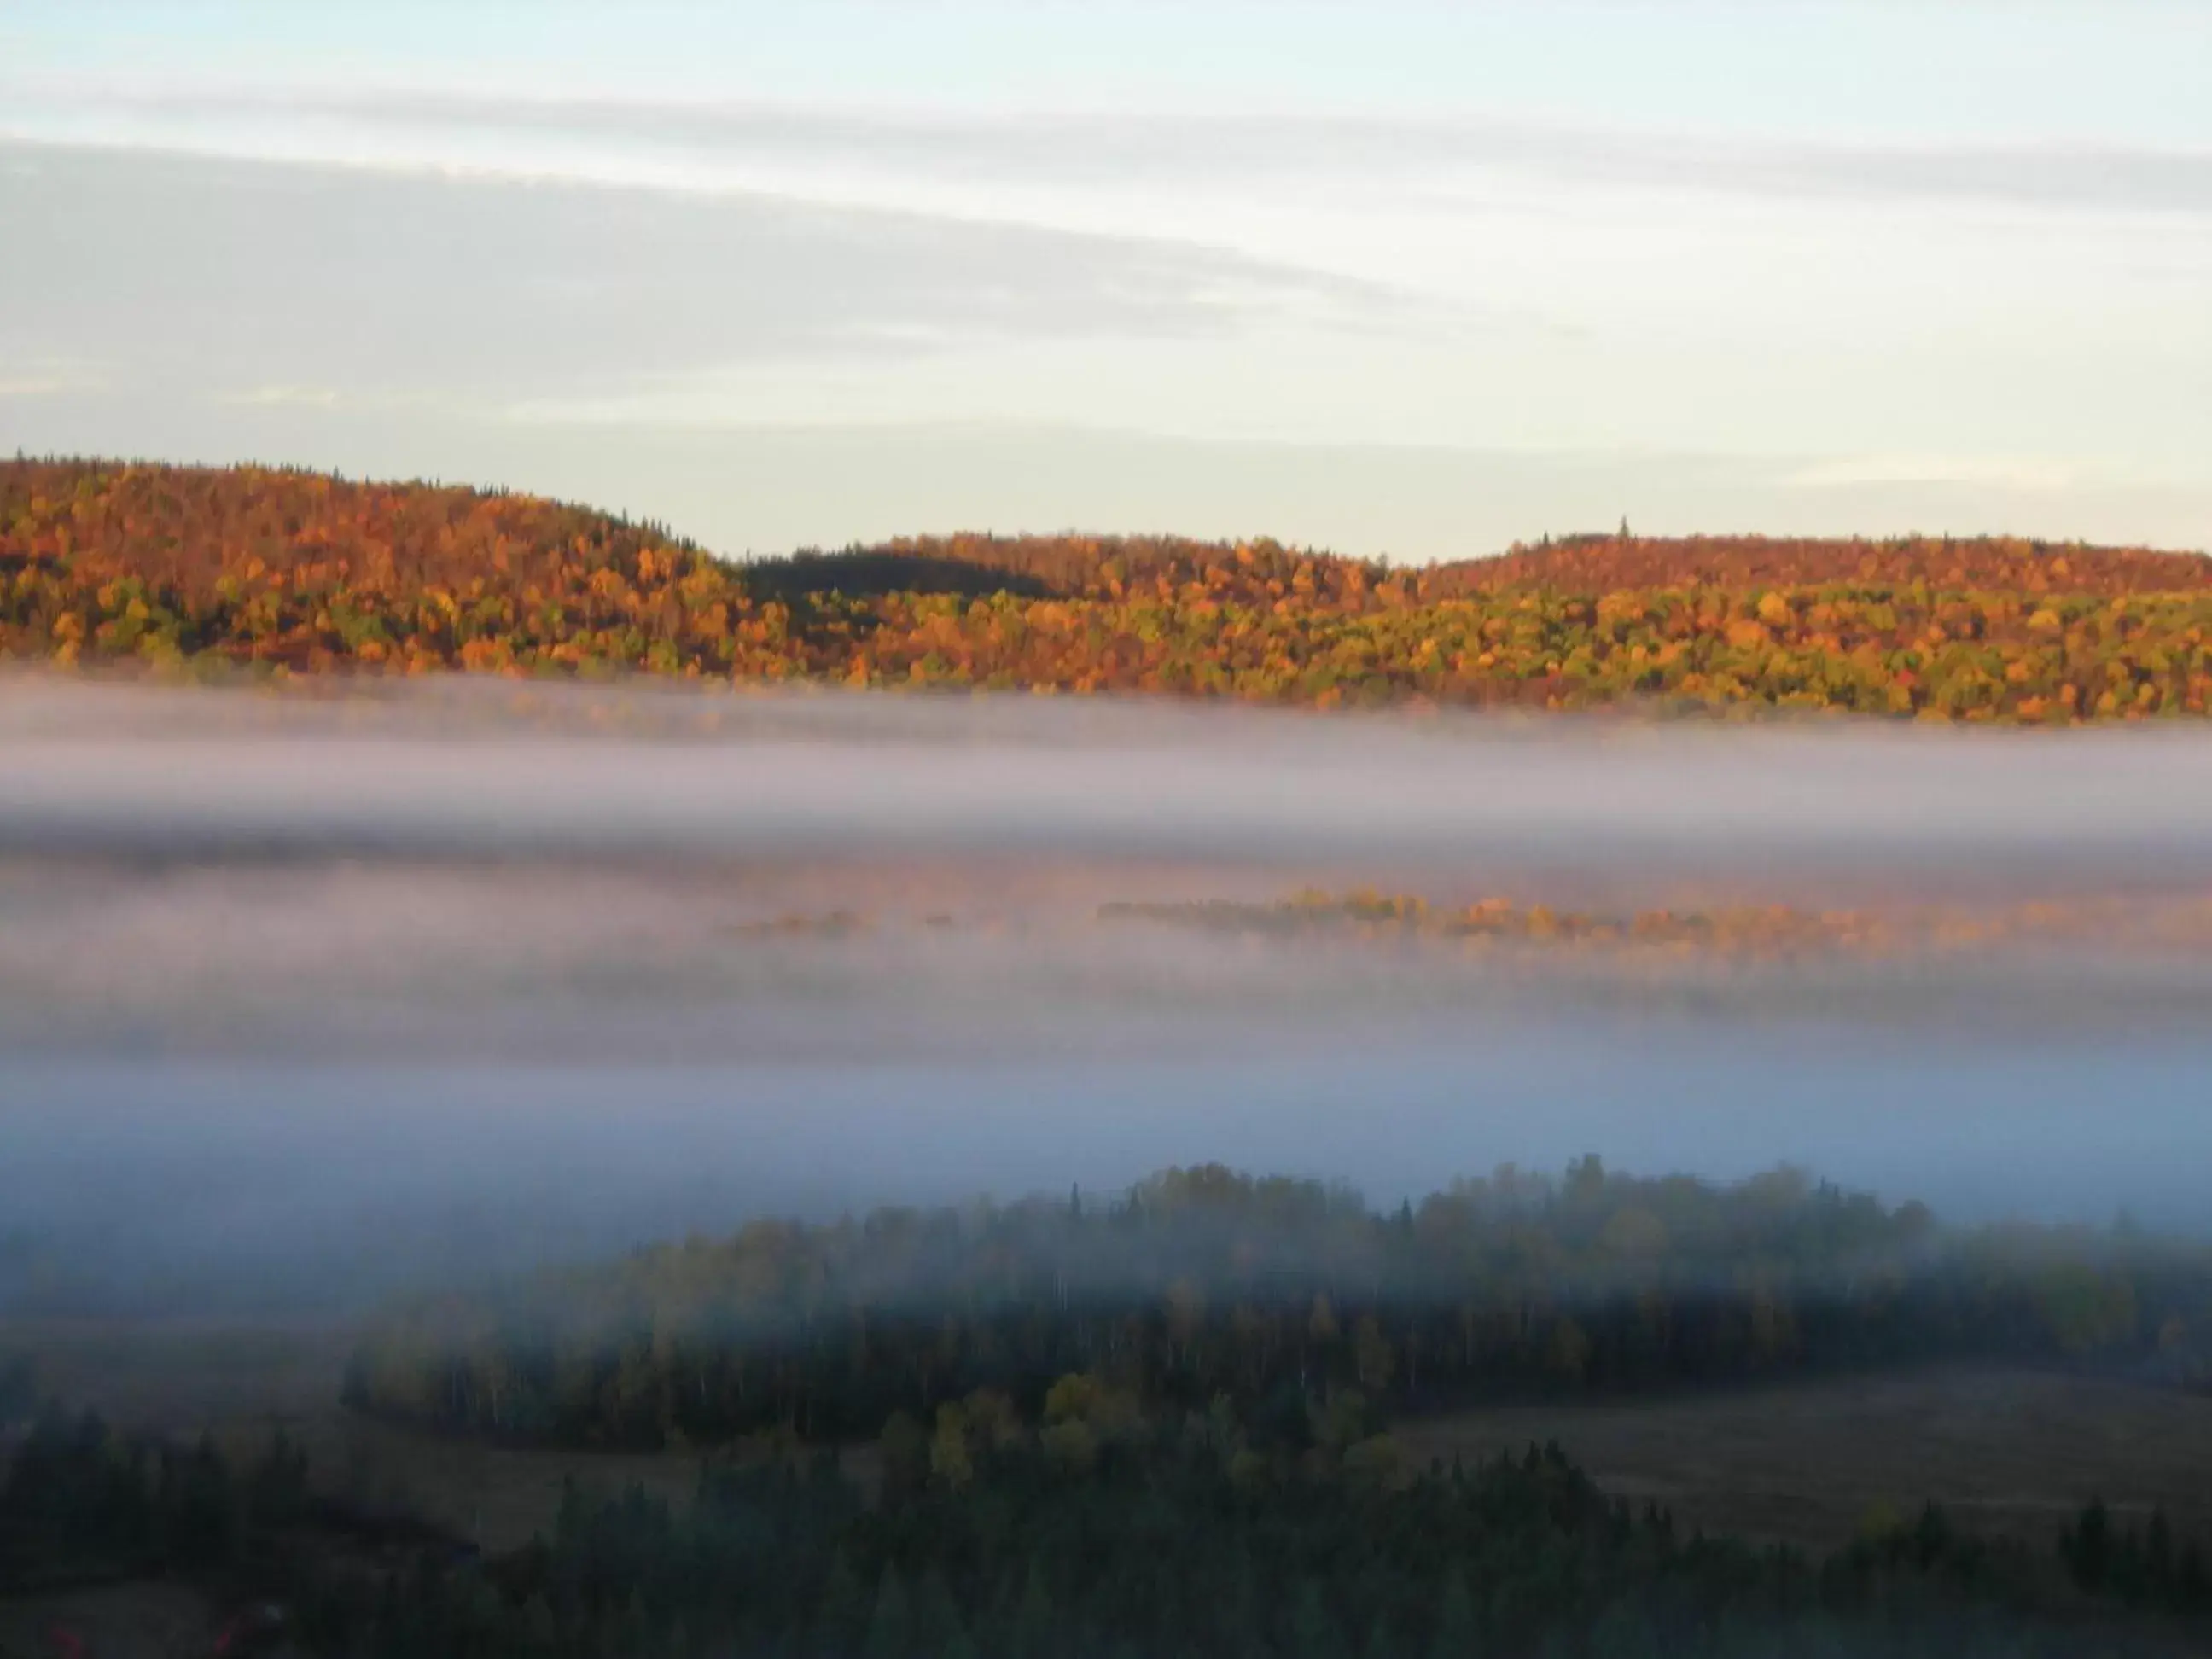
84,1504
1177,1536
297,572
1098,1531
1291,1298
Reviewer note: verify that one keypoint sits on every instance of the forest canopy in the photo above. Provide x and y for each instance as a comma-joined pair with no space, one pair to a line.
1079,1534
288,572
1314,1315
1163,1422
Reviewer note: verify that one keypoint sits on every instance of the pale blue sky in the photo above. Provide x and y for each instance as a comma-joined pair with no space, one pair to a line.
1885,70
1406,277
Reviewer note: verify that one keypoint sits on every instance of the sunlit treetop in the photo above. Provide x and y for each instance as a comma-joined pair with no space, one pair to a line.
293,572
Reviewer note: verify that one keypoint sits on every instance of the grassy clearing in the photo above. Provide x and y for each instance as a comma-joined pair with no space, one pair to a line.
2007,1451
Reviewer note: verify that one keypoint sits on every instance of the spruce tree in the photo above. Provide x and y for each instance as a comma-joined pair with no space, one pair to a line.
842,1613
1313,1632
891,1630
1034,1634
1458,1632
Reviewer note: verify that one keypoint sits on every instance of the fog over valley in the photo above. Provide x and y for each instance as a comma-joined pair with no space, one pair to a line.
497,974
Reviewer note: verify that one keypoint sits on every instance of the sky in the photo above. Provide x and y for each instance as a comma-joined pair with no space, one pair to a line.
1401,277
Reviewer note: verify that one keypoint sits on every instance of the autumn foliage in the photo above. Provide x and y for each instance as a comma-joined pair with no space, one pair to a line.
300,572
2173,923
1762,931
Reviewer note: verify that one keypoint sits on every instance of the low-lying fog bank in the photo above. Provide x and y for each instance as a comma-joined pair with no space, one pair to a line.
449,768
314,1186
304,996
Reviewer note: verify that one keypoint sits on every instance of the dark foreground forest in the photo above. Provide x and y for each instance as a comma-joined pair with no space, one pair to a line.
1167,1423
284,572
1100,1531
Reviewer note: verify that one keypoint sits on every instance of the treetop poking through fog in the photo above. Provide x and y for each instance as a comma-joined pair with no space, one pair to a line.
296,573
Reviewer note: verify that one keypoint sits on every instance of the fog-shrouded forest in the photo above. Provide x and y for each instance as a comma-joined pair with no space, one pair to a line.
1175,1418
1201,1285
561,1095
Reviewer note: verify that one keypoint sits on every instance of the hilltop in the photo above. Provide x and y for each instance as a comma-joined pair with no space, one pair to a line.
1102,567
298,573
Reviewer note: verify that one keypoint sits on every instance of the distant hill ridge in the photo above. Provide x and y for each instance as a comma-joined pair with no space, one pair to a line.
1092,566
302,571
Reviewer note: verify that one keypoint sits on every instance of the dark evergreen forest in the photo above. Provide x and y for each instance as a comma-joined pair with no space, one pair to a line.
1162,1423
1098,1531
1293,1300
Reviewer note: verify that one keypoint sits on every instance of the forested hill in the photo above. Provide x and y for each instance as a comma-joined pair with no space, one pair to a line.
1100,567
1283,1296
293,571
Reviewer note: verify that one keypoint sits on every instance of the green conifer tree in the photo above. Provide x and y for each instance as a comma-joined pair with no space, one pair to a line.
891,1629
1034,1634
842,1613
1313,1633
1459,1631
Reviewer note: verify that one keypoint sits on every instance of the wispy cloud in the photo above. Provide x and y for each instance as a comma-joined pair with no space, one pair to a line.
704,142
304,285
800,302
283,397
42,375
2024,473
